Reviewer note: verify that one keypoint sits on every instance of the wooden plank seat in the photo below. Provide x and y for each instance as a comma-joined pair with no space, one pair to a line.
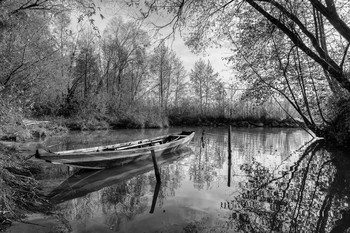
139,145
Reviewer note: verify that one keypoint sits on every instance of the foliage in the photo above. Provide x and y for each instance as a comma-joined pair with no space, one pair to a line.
125,65
11,124
203,80
339,128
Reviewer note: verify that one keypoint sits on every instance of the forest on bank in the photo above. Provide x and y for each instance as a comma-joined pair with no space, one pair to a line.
56,63
290,57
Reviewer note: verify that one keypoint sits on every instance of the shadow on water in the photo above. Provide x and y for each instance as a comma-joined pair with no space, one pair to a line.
312,196
272,184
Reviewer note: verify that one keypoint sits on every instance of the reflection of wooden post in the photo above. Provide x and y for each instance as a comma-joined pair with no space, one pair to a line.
229,157
202,138
229,173
155,164
155,196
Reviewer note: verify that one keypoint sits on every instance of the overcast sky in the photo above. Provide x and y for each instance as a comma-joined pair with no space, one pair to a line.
214,55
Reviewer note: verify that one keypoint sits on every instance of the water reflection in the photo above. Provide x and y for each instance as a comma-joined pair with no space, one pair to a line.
84,182
277,181
311,195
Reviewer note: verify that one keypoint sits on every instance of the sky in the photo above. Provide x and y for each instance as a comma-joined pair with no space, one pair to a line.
177,44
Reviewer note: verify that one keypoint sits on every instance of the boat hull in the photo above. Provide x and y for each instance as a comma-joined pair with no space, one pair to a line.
108,156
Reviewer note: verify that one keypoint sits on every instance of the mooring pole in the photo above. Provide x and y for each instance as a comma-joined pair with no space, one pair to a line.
155,164
229,157
229,143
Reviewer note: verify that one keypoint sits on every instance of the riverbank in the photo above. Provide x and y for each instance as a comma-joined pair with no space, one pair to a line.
21,191
240,122
94,122
24,206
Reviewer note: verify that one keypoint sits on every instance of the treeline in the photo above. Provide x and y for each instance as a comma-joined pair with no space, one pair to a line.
121,76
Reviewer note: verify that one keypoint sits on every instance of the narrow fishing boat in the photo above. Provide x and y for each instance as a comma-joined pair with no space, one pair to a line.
118,154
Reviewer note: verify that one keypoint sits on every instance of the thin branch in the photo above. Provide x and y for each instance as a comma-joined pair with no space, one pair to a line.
317,97
302,85
344,56
284,69
37,5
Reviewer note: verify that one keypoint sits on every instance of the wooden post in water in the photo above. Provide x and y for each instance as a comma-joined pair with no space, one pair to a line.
155,164
229,143
229,157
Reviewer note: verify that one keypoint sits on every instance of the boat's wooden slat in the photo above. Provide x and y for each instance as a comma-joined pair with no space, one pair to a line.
137,145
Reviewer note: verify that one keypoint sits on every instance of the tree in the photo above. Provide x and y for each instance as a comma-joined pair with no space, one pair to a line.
160,65
203,79
34,42
179,81
124,51
86,73
27,50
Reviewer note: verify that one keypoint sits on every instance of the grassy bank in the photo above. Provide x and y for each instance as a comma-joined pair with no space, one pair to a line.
222,121
20,191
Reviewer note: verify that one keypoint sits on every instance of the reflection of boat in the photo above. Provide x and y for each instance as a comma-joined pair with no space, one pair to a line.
85,182
117,154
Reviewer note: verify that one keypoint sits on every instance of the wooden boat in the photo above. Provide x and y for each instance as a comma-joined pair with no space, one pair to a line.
86,181
118,154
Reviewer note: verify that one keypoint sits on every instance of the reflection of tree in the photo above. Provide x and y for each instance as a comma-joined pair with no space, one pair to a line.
122,202
125,195
272,141
207,160
247,146
171,177
310,196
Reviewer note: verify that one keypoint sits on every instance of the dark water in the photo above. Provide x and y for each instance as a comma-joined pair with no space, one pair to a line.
278,181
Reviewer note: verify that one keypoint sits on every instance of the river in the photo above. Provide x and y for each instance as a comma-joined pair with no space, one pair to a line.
279,181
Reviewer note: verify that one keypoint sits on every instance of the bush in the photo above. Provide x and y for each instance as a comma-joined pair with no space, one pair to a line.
11,121
339,129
